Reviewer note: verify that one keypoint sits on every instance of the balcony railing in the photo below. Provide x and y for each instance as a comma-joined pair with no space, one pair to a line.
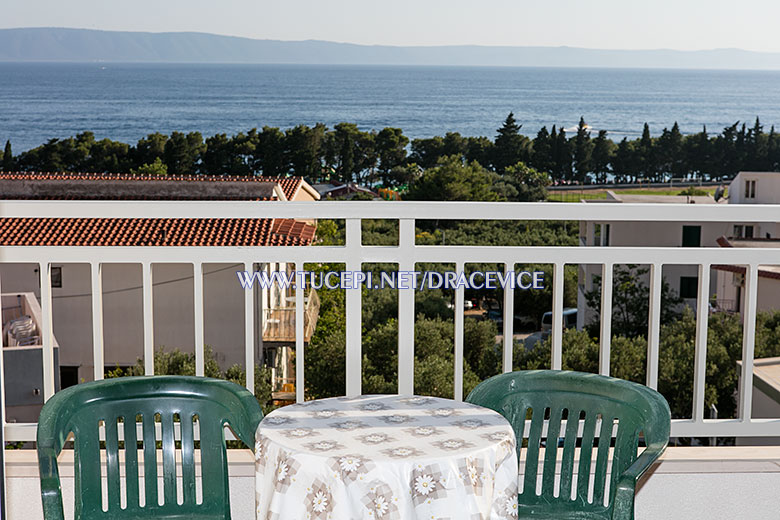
279,322
406,254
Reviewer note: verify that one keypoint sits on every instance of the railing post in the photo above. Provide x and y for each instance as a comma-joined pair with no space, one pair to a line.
748,343
654,325
509,319
148,302
556,357
2,413
300,287
249,332
354,316
98,353
459,309
47,333
606,319
406,240
197,289
700,355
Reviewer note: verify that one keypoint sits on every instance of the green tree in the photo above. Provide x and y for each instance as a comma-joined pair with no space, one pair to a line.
671,156
510,146
630,301
148,149
391,149
625,164
582,152
8,157
177,363
698,150
157,168
541,157
648,160
270,157
560,156
182,153
601,158
522,183
453,180
304,150
108,156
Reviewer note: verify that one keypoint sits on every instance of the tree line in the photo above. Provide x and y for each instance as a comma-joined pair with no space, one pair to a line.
387,157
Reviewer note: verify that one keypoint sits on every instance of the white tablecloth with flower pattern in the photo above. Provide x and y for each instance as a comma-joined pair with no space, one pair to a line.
385,457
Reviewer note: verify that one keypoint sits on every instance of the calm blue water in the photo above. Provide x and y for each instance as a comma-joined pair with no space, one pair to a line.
127,101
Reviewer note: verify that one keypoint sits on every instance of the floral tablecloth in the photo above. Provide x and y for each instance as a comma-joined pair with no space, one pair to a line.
385,457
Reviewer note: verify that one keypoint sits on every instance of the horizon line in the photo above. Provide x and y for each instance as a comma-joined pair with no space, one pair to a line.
403,46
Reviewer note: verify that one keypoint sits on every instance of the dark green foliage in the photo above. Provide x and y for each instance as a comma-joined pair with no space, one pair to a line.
183,153
451,180
582,152
630,301
303,146
8,157
157,168
177,363
510,146
269,157
349,154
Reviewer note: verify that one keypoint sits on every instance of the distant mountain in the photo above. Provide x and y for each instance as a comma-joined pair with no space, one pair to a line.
85,45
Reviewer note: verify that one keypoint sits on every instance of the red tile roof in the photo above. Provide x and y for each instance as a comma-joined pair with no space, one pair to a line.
289,185
154,232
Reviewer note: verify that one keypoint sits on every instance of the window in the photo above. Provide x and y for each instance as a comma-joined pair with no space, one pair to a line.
741,231
56,277
689,286
691,236
750,189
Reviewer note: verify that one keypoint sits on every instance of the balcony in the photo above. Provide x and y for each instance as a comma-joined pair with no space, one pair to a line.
723,481
279,322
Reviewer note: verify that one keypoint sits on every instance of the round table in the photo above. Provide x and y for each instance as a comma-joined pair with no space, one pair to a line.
385,457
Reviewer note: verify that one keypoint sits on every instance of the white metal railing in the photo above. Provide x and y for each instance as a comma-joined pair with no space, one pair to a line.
406,254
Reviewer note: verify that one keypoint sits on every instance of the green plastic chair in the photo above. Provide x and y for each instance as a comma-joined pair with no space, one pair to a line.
156,402
600,403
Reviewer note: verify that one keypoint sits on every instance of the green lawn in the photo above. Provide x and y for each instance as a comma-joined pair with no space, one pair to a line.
576,196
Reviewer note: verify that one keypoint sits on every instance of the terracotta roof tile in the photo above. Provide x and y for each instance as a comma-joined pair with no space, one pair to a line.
154,232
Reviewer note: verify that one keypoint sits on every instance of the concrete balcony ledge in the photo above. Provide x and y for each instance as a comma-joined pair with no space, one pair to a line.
714,483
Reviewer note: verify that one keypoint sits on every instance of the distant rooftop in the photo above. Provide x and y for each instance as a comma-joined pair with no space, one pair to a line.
149,231
103,186
658,199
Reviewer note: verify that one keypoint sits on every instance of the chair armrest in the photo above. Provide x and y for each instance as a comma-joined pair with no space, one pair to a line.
51,494
623,503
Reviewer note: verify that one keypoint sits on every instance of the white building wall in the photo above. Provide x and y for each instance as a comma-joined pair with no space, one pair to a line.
767,188
123,311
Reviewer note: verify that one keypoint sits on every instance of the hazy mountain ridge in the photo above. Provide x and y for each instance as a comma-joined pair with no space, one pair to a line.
84,45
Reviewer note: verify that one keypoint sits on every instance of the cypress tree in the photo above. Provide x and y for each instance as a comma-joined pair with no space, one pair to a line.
8,157
583,151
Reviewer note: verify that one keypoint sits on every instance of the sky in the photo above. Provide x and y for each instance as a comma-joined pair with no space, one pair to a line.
601,24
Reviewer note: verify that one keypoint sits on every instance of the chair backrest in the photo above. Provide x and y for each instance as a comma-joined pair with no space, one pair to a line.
585,413
146,411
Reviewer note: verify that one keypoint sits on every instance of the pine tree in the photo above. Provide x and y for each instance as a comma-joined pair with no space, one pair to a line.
510,146
542,149
647,157
583,150
8,157
601,158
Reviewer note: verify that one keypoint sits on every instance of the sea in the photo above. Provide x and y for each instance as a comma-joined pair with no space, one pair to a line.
124,102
